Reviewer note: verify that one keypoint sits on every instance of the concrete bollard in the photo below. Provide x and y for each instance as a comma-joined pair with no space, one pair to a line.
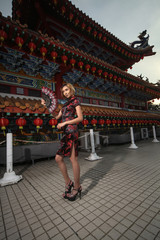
9,177
133,145
154,135
93,156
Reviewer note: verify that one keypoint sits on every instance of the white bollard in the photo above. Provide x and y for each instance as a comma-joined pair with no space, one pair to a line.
133,145
154,135
9,177
97,140
93,156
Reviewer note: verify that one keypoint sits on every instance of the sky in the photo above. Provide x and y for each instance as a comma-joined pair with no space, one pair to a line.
125,19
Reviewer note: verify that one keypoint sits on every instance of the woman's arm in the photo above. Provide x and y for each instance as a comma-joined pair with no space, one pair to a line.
78,119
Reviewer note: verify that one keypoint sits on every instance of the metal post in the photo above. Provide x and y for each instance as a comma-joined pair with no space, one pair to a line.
133,145
154,135
9,177
93,156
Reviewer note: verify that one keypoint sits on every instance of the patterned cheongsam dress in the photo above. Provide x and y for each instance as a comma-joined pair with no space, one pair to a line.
70,131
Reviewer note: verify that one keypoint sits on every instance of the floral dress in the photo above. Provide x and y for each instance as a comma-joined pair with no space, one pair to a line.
70,136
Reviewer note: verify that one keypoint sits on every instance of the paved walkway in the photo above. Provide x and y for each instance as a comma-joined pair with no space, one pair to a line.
120,198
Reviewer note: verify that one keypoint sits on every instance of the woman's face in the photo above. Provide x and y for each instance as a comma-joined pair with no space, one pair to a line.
66,92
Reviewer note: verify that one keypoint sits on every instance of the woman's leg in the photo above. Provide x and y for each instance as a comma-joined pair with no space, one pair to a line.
63,168
76,168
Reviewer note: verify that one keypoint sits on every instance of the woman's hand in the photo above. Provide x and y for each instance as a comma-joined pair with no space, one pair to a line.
43,102
60,125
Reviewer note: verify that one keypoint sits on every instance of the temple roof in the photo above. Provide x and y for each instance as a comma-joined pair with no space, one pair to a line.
21,104
67,23
36,53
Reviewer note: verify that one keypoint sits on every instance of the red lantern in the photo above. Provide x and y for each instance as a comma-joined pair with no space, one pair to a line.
80,64
43,51
124,122
32,47
76,21
114,78
21,122
19,42
63,9
83,26
94,122
99,72
72,61
104,39
3,36
54,55
100,35
108,42
89,29
101,122
53,122
119,79
108,122
105,74
71,16
38,122
93,69
129,122
3,123
95,33
64,59
85,122
88,67
119,122
114,122
110,76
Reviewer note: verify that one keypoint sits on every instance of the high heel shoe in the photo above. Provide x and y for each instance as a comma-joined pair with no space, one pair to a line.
72,197
68,189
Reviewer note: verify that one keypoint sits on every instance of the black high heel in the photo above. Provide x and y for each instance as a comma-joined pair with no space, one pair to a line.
68,189
72,197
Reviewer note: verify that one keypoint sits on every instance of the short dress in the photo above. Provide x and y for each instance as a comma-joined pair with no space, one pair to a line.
70,131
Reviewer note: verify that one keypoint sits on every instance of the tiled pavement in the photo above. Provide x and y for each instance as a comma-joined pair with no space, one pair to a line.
120,198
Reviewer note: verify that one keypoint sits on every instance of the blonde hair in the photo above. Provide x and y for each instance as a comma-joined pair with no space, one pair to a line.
70,86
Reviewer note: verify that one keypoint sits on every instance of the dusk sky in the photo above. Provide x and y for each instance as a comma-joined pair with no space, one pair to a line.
125,19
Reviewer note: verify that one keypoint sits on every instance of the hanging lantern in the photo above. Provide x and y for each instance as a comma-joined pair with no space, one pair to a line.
105,74
80,64
100,35
119,79
93,69
89,29
104,39
124,122
21,122
72,61
54,55
101,122
95,34
88,67
3,124
108,42
115,78
129,122
63,10
43,51
3,37
108,122
83,26
38,122
114,122
76,21
71,16
53,122
99,72
64,59
85,123
32,47
110,76
119,122
19,42
94,122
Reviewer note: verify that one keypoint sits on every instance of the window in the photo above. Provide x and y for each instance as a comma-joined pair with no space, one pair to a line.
5,89
34,93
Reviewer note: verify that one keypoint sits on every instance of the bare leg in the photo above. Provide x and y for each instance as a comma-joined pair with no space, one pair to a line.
63,168
76,168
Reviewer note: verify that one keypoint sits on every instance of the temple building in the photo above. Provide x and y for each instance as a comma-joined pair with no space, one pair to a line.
51,42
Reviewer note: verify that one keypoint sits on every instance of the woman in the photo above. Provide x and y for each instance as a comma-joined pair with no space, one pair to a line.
69,141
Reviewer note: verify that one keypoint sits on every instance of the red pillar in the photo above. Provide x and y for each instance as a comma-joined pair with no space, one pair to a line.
58,85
